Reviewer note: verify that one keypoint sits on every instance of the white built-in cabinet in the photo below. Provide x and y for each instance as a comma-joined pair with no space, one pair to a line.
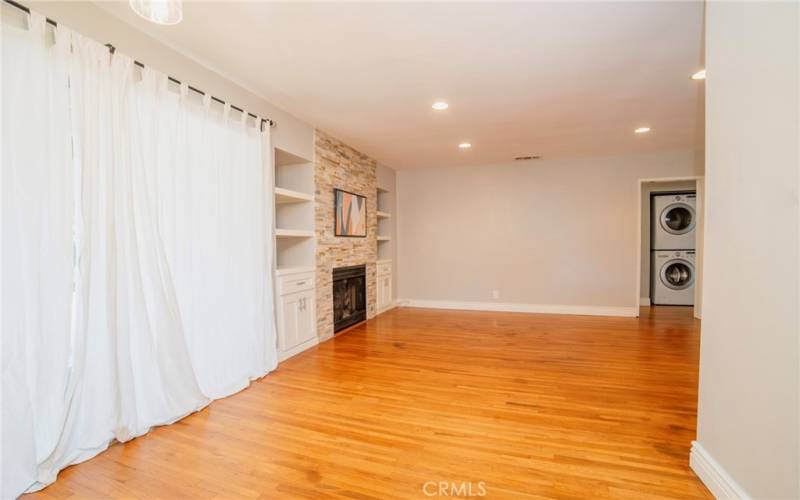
384,286
296,318
384,299
295,245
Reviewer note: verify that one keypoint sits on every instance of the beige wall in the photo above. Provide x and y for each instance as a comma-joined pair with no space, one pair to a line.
291,134
560,232
748,416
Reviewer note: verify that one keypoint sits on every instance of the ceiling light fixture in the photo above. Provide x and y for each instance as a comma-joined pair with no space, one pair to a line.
159,11
465,145
642,130
440,105
700,75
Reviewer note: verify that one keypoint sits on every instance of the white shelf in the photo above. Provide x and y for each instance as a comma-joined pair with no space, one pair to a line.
383,215
284,158
384,238
293,233
283,195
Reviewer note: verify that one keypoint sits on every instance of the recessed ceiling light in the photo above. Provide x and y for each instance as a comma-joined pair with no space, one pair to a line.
440,105
642,130
700,75
465,145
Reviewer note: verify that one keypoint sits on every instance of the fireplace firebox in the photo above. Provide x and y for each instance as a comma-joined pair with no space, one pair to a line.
349,296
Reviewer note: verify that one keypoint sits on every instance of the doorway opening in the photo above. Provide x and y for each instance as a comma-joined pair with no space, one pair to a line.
670,242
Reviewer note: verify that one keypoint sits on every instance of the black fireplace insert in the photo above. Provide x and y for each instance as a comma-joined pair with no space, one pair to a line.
349,296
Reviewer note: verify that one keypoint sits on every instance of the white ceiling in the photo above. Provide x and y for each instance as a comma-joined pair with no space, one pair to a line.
560,80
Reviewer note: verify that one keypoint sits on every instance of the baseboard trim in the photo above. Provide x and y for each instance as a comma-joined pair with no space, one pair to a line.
716,479
294,351
391,306
644,301
628,312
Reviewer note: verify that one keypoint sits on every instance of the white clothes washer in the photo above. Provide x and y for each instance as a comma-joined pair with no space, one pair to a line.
673,277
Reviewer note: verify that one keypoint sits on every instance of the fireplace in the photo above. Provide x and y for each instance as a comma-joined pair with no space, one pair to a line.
349,296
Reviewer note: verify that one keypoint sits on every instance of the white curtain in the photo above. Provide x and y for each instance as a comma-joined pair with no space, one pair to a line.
172,302
211,199
37,247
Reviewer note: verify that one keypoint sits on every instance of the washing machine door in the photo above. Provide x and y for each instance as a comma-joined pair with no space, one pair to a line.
678,218
677,274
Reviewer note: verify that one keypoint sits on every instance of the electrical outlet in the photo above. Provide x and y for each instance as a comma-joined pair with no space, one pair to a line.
495,294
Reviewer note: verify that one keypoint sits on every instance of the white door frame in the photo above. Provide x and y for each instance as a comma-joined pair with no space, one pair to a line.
699,180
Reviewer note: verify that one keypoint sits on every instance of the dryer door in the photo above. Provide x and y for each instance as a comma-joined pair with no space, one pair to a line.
677,218
677,274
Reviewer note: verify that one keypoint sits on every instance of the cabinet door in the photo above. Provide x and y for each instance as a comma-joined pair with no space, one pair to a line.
387,292
384,292
289,321
381,301
306,323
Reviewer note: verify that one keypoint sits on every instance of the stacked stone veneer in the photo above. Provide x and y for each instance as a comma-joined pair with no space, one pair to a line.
339,166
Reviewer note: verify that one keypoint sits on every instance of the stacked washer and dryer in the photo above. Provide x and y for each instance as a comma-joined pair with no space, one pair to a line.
672,229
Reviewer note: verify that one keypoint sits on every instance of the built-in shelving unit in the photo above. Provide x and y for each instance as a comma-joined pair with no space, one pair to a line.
383,278
294,211
384,228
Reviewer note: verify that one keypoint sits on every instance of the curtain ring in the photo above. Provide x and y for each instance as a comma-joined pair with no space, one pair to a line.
36,23
146,72
163,82
61,36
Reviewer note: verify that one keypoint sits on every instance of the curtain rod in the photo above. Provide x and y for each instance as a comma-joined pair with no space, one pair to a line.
112,49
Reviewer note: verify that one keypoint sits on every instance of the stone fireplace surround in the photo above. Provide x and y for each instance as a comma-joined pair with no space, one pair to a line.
337,165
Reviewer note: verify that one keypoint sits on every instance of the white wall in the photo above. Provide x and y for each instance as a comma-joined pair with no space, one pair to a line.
291,134
748,416
560,232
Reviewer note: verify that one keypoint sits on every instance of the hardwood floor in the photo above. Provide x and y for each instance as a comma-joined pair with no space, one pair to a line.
516,405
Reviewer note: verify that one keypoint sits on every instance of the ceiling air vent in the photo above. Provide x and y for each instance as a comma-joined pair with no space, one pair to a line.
523,158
